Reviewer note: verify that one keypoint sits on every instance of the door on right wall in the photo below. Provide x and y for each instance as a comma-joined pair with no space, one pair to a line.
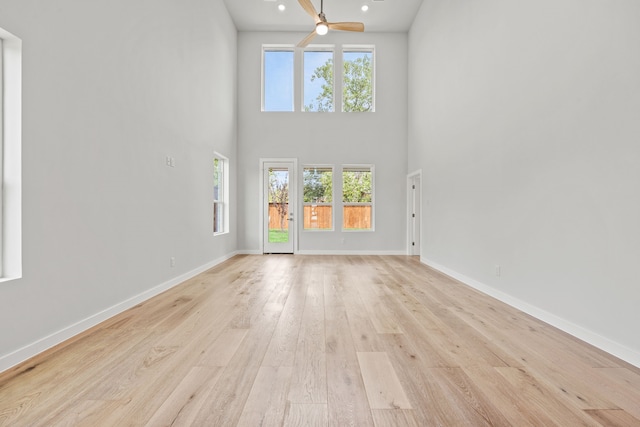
414,215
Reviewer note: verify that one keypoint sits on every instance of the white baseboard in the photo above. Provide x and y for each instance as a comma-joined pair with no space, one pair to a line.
328,252
625,353
10,360
343,252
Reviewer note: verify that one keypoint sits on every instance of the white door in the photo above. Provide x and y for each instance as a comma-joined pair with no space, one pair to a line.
414,215
279,207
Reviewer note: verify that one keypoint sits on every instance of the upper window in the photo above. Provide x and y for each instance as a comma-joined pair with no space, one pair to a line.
277,81
357,79
352,89
220,194
318,80
357,198
318,198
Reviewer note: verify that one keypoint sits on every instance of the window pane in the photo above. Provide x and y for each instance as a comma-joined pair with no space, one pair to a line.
278,205
278,80
356,186
220,198
218,215
356,217
357,196
318,185
217,179
317,198
318,217
357,86
318,81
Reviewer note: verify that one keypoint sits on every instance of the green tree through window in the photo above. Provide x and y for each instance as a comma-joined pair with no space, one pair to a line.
357,88
317,185
357,198
357,83
318,198
356,186
318,82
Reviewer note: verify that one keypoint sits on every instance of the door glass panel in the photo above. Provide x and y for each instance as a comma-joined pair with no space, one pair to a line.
278,205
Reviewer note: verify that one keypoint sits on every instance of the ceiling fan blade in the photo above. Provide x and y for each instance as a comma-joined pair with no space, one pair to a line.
308,6
307,39
346,26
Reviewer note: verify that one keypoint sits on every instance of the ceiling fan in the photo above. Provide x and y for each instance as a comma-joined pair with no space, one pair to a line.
322,26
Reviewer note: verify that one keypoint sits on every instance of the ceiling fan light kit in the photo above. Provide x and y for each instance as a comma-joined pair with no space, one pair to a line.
322,26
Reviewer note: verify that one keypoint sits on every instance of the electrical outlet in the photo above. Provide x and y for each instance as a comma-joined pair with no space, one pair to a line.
498,270
172,261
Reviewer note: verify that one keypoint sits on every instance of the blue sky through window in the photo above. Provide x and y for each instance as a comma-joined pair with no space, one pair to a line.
352,56
278,80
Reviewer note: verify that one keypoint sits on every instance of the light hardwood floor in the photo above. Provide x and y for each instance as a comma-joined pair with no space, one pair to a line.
322,340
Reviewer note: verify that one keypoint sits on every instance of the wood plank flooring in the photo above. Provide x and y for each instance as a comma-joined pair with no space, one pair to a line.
281,340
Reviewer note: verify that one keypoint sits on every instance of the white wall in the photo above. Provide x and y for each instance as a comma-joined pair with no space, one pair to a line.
328,138
110,88
524,120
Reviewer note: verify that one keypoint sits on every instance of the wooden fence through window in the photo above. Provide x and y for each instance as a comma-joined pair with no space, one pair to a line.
319,217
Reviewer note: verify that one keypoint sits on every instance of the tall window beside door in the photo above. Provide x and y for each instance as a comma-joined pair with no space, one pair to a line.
220,194
357,198
318,197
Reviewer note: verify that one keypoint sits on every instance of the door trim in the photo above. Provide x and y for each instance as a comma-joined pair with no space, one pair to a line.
293,181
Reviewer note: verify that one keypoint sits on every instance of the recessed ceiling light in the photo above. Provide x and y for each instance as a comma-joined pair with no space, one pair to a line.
281,7
365,8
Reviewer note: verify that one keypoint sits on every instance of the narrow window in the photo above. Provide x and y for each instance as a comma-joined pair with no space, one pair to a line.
220,195
318,81
357,80
357,198
10,156
277,79
2,245
318,198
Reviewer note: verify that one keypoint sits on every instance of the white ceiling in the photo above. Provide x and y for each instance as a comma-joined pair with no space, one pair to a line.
263,15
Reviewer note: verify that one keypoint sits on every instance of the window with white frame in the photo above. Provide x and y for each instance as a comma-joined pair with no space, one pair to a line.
10,156
317,197
2,203
220,194
277,78
318,80
357,79
357,198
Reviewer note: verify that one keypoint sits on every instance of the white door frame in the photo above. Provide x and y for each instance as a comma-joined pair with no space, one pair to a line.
293,202
414,206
